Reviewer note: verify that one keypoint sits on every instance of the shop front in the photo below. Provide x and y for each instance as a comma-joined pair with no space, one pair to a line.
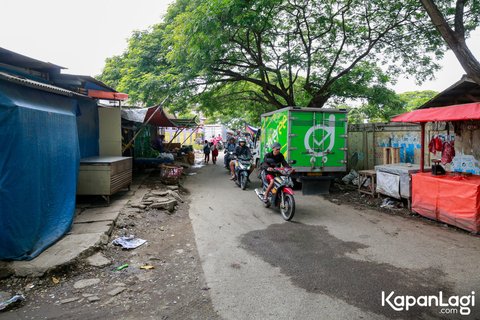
450,196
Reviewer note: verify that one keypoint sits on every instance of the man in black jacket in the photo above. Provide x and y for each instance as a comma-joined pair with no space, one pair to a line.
241,151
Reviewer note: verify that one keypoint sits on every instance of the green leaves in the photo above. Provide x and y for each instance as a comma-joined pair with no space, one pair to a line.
239,58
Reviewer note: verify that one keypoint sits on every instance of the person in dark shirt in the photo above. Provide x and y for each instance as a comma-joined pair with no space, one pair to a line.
241,151
158,143
272,159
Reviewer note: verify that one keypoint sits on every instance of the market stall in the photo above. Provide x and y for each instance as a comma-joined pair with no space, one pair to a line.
450,197
143,125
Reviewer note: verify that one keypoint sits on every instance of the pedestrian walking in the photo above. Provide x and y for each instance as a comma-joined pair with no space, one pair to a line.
214,154
206,151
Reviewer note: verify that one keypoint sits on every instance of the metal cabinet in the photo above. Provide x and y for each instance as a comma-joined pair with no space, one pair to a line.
104,176
394,180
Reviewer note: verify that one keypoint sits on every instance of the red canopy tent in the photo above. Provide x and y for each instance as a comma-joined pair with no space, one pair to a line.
451,199
157,117
469,111
460,112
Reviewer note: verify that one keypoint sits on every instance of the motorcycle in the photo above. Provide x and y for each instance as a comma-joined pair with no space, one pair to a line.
229,155
242,170
281,194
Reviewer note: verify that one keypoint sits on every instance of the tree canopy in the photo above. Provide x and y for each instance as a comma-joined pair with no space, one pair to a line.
245,57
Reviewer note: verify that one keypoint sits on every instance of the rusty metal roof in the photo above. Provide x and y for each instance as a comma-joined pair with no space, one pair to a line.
463,91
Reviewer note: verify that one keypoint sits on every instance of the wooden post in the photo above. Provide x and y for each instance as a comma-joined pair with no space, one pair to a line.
422,147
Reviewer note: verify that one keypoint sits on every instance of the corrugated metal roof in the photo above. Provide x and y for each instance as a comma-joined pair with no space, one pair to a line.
16,59
38,85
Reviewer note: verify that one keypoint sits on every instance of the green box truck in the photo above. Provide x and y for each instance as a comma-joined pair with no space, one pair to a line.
314,142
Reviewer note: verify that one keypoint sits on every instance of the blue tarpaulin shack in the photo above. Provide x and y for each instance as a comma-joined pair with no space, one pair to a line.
44,131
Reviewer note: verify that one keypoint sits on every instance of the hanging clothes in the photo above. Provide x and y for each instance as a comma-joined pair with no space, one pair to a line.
448,152
435,144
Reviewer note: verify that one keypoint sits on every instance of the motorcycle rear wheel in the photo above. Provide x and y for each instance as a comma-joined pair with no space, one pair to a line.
287,208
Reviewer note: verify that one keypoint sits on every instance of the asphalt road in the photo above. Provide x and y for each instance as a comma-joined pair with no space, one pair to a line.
331,262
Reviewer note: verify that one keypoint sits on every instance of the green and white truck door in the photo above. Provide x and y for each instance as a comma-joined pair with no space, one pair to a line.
317,141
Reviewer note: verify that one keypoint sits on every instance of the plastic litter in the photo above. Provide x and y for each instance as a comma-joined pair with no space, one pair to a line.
390,203
123,266
350,177
16,298
147,267
129,242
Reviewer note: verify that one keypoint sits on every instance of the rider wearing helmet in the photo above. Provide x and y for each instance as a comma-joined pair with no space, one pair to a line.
273,159
241,151
230,147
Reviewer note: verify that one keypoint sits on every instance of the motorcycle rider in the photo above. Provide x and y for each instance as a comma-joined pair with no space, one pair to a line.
231,146
242,150
272,159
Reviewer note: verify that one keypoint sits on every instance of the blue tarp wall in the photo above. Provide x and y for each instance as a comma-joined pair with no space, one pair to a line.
42,137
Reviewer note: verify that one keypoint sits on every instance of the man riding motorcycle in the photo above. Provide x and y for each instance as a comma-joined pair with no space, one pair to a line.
230,147
242,150
272,159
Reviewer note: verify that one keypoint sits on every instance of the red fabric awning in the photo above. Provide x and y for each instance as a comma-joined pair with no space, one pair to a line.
159,119
469,111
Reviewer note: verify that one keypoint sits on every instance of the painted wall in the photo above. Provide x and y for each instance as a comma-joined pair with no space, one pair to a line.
186,137
367,141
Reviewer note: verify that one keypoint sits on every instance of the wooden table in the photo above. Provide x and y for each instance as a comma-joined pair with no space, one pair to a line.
363,175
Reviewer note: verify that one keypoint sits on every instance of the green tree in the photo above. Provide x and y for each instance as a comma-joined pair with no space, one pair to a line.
276,45
414,99
388,104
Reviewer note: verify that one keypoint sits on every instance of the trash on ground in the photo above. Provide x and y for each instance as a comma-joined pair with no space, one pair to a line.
123,266
191,173
129,242
55,280
350,177
390,203
16,298
147,267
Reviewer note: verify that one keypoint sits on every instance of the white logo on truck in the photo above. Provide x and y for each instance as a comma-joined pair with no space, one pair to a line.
328,132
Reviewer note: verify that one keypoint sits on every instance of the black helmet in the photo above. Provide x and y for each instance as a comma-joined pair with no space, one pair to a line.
276,145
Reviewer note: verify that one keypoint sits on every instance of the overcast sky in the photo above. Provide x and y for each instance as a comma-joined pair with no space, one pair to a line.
80,35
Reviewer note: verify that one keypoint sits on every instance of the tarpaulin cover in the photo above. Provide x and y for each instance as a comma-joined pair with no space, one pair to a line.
469,111
159,119
87,124
39,162
451,199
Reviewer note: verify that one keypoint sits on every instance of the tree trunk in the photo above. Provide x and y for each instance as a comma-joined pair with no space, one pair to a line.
318,101
455,40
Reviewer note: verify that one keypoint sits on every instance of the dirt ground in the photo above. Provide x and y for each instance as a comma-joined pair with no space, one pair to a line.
342,194
174,289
